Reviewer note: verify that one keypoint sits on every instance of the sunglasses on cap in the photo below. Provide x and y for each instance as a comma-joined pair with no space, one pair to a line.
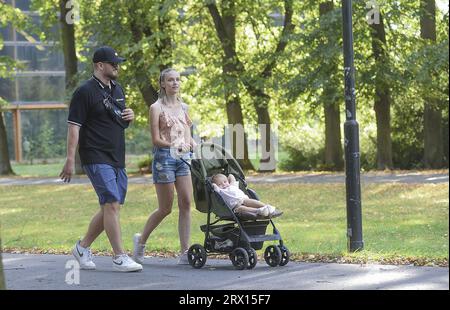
115,65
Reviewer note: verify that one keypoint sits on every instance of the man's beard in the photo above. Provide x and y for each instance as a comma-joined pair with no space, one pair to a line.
111,75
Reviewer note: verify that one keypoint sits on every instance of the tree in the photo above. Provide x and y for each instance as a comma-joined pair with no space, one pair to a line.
230,76
5,164
433,152
67,26
333,147
382,104
254,80
16,19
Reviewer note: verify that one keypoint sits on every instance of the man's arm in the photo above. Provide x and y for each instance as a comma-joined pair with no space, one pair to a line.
73,134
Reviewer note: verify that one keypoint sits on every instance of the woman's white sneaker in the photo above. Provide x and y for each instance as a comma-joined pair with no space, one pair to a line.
138,249
83,256
124,263
183,259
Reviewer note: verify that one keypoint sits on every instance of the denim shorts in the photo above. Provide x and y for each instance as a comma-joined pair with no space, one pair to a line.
110,183
165,168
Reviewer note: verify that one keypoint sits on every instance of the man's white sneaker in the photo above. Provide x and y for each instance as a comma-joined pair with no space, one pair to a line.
83,256
124,263
183,259
138,249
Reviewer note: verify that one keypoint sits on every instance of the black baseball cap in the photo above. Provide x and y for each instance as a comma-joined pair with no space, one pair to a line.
106,54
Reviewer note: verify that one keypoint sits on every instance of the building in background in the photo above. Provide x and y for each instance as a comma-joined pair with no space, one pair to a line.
36,95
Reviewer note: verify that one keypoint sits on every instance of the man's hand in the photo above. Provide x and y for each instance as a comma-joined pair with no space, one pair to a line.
128,115
68,170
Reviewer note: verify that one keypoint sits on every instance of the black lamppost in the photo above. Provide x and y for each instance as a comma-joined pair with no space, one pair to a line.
351,132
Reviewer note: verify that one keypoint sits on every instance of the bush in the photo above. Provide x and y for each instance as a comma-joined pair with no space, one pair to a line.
301,160
145,165
305,147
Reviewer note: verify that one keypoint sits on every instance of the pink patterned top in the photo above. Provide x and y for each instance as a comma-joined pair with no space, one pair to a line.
173,127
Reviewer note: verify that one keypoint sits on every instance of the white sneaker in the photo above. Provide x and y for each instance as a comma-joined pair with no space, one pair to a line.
271,209
83,256
263,211
125,264
183,259
138,249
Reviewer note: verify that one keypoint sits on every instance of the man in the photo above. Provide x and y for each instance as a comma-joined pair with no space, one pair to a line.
97,115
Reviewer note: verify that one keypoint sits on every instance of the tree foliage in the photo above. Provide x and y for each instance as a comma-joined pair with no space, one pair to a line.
289,74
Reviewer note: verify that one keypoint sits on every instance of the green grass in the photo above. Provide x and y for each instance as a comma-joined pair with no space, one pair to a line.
398,220
54,168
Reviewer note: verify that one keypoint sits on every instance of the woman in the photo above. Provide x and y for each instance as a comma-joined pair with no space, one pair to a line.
170,131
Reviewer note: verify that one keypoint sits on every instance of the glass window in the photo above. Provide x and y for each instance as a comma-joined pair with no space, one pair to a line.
34,59
7,51
6,33
24,5
7,89
8,118
41,88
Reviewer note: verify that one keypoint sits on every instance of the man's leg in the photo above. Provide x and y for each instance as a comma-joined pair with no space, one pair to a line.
94,230
111,223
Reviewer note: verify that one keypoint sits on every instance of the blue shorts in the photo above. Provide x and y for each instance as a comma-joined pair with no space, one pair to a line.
165,168
110,183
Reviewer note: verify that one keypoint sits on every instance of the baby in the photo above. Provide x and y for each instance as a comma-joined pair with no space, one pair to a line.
238,201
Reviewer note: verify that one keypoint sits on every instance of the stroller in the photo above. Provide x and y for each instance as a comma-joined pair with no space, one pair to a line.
228,233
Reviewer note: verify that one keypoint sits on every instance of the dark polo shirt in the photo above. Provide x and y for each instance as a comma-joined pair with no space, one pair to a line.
102,140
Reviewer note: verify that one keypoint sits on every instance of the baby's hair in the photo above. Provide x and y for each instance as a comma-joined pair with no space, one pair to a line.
216,176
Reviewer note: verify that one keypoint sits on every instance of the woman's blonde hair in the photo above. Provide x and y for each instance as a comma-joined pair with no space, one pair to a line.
162,92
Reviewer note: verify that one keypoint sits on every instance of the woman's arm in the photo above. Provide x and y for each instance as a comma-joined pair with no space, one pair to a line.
154,127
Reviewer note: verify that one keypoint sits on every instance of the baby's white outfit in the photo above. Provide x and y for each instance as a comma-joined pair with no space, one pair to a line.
232,195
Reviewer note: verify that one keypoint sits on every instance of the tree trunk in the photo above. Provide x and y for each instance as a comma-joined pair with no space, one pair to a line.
382,104
2,275
267,162
333,148
70,59
433,136
231,91
433,152
139,29
5,164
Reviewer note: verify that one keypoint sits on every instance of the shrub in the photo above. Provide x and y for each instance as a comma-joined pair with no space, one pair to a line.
145,165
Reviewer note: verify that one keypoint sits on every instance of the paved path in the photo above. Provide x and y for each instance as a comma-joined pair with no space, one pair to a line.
271,178
32,272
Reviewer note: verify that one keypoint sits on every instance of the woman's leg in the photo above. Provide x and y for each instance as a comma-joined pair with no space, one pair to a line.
165,193
183,185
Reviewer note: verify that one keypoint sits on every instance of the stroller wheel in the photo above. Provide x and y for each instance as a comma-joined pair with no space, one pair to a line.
252,258
197,256
285,255
272,255
239,258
